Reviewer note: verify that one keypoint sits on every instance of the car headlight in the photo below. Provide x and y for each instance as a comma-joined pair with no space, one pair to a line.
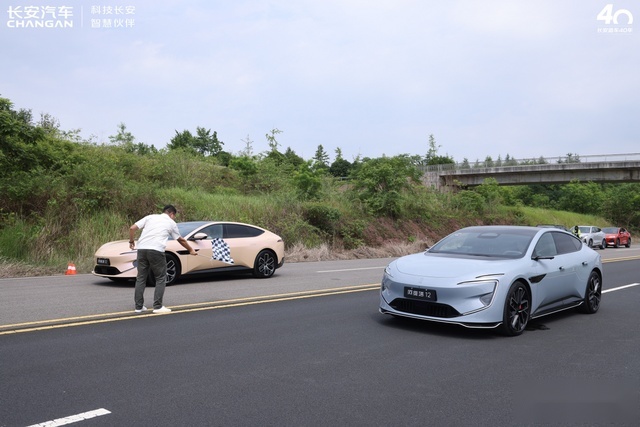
387,277
484,290
387,270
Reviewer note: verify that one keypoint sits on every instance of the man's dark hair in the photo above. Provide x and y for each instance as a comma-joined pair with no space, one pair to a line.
169,209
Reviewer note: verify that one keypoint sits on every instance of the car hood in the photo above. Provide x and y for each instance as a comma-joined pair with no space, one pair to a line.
113,248
448,266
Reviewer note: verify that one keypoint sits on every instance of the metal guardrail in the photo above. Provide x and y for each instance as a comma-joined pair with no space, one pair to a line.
510,163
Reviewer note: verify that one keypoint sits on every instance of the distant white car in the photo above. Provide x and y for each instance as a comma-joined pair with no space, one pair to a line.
592,235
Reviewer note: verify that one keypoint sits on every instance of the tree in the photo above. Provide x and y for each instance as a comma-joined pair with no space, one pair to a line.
321,158
248,147
432,157
292,158
182,140
308,182
582,198
19,139
273,154
126,140
203,143
340,167
123,138
207,144
571,158
379,183
271,139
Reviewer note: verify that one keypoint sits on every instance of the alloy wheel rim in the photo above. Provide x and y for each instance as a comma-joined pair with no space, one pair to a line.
518,309
594,292
266,265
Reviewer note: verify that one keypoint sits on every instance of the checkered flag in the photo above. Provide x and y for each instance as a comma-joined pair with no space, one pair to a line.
221,251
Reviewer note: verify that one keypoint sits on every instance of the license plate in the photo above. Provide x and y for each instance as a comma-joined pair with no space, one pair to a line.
103,261
420,293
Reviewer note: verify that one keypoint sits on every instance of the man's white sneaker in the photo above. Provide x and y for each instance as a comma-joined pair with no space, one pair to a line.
161,310
140,310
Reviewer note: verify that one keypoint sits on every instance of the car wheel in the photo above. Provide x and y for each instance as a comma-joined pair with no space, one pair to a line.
173,271
517,310
628,245
265,264
592,294
603,244
617,243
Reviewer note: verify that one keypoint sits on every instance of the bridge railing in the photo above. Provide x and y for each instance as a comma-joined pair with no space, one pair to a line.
571,158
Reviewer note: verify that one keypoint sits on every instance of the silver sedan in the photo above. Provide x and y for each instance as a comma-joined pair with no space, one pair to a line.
494,276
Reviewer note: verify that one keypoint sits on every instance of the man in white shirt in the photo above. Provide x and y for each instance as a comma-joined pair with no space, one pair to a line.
156,230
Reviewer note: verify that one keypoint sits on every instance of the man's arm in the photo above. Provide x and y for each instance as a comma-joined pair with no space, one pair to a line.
186,245
132,235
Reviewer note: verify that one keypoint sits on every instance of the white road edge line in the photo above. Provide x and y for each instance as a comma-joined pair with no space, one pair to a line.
73,418
631,285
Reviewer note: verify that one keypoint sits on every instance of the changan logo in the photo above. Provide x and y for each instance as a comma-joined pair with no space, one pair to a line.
40,17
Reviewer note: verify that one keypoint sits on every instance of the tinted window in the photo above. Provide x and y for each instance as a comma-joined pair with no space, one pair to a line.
566,243
234,231
546,246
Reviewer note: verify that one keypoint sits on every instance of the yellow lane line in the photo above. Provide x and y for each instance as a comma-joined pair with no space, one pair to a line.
186,308
627,258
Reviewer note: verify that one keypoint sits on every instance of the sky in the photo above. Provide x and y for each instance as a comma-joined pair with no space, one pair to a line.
371,78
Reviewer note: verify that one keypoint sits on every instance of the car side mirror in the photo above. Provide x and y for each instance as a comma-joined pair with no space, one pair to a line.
199,236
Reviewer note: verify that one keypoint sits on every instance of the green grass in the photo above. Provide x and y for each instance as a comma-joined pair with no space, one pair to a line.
535,216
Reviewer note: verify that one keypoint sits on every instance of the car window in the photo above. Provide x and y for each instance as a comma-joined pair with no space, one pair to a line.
235,231
566,243
546,246
213,231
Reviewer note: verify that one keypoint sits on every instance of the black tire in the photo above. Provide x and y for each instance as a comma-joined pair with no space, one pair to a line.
265,264
592,294
603,244
628,245
173,271
617,243
517,310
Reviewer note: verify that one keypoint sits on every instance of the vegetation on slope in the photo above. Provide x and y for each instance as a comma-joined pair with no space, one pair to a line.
62,197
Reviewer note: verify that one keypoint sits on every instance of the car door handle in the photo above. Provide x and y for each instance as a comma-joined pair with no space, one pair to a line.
585,263
561,268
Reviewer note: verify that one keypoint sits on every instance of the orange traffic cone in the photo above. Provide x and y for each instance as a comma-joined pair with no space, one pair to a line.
71,269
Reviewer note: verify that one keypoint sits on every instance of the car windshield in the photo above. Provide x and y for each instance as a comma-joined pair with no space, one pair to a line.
610,230
187,227
584,229
493,243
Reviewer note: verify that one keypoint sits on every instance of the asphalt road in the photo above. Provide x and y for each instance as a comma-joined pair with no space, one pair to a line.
306,348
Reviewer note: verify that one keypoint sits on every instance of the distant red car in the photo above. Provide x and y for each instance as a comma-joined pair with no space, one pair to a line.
615,236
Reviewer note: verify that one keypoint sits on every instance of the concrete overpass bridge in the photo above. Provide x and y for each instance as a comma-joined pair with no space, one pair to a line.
552,170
